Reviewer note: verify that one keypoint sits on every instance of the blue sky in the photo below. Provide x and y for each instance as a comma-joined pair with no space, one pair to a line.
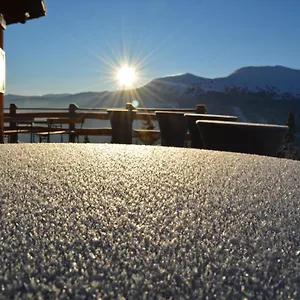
79,44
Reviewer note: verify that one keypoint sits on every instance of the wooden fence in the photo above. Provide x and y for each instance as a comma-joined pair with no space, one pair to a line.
121,120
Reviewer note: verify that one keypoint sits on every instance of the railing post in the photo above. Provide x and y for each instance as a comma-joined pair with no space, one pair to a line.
72,115
13,138
121,124
201,109
1,118
2,27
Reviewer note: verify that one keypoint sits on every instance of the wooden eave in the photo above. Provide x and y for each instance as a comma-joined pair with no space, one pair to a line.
20,11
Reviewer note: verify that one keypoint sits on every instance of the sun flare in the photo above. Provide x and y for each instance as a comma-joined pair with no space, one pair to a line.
126,76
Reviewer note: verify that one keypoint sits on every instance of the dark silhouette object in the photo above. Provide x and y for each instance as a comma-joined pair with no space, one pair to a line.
292,128
86,139
289,149
72,115
172,128
252,138
121,125
13,126
196,141
201,109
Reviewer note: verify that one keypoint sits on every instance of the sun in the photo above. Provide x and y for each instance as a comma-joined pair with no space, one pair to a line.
126,76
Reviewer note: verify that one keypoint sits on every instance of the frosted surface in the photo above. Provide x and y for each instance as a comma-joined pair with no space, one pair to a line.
111,221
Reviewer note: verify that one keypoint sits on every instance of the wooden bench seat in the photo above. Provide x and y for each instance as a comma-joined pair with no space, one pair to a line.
14,131
55,126
14,127
11,132
45,135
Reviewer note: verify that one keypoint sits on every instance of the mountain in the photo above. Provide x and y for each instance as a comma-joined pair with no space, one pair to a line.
275,81
255,94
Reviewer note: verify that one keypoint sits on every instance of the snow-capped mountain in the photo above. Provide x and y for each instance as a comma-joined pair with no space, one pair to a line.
277,82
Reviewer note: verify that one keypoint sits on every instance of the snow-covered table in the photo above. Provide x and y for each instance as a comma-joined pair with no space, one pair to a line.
139,221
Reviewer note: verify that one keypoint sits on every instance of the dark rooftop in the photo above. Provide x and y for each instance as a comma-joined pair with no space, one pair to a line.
19,11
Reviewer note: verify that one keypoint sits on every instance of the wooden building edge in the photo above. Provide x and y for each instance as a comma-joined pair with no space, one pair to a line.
12,12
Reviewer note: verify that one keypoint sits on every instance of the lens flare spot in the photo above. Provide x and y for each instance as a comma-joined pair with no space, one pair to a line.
135,103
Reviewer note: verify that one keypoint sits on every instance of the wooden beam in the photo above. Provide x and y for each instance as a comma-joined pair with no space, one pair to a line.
1,96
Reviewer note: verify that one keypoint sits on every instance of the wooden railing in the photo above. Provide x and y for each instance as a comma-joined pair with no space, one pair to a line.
121,127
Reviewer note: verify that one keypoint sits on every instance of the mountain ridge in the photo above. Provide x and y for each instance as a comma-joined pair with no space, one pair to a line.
277,80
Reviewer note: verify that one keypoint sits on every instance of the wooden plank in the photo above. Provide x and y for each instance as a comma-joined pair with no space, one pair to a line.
33,128
13,131
146,109
1,94
61,121
146,132
54,114
18,119
46,133
42,115
94,115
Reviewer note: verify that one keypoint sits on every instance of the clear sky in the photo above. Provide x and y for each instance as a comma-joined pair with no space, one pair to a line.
79,44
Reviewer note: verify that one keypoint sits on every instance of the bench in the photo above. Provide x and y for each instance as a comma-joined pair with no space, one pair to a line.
45,135
14,128
55,127
8,133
